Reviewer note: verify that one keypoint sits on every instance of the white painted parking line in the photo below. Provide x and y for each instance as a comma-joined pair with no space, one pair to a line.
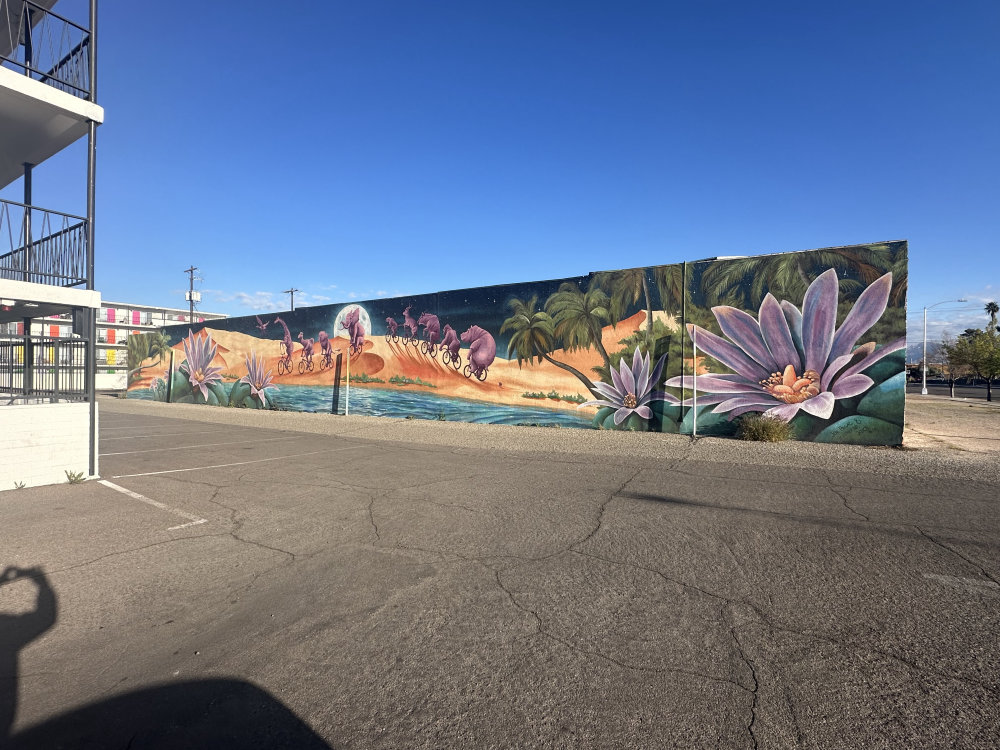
975,583
192,520
161,434
203,445
237,463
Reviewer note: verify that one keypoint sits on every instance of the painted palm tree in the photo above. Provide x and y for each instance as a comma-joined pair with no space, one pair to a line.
670,284
992,309
159,345
745,281
626,288
579,318
533,336
137,351
143,346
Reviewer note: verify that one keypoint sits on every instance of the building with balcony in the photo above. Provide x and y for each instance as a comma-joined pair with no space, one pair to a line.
48,101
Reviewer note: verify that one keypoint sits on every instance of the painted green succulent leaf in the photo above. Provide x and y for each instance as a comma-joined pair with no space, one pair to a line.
602,414
709,424
889,367
635,423
181,388
238,393
669,426
252,403
861,430
806,427
666,416
609,422
885,401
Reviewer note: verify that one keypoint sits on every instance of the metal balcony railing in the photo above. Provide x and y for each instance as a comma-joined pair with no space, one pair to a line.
42,366
59,257
45,46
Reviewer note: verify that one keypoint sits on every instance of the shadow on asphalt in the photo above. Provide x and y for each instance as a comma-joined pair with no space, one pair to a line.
16,632
197,714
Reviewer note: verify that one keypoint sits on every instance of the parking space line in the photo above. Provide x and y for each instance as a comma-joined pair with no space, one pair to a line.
238,463
161,434
192,520
202,445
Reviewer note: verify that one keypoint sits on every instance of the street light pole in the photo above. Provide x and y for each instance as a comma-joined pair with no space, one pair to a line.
291,292
923,387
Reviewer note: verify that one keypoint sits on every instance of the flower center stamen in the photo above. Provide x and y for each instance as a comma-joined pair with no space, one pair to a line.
629,401
792,389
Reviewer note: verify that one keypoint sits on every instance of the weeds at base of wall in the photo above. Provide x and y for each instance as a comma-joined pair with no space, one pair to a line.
75,477
763,429
19,485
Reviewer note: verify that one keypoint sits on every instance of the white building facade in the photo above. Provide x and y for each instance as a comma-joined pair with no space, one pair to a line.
48,101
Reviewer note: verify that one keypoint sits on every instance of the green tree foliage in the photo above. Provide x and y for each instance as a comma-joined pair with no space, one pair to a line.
978,352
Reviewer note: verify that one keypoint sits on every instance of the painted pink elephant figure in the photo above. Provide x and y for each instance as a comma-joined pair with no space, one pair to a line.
352,324
450,346
450,340
482,352
432,332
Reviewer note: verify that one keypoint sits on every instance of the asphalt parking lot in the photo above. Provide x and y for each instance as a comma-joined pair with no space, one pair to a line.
274,580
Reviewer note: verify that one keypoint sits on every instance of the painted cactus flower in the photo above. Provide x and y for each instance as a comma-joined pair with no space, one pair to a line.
631,390
199,351
256,378
789,360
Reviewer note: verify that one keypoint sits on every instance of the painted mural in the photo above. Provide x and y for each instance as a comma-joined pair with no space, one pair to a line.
814,338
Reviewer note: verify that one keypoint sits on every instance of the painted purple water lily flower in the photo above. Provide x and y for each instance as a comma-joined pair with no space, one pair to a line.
199,351
789,360
256,378
632,389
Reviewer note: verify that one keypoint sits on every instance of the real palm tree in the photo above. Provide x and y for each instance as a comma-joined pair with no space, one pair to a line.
626,288
534,336
992,309
580,317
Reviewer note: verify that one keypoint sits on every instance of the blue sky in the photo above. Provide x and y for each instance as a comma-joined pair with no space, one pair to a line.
355,150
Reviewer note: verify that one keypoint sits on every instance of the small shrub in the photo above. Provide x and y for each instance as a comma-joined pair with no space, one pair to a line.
75,477
18,485
755,426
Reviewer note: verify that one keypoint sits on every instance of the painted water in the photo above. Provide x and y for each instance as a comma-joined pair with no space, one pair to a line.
382,402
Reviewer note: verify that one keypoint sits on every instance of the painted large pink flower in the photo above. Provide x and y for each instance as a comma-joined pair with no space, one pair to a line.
199,351
786,359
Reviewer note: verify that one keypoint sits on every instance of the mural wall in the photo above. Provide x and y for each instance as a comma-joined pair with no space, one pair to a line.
815,338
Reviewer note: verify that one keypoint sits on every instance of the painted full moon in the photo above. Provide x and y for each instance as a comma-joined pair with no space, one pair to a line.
363,318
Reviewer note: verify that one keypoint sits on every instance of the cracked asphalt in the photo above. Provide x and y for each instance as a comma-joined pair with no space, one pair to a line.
262,579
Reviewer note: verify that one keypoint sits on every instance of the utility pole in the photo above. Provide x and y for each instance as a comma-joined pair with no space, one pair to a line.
190,295
291,292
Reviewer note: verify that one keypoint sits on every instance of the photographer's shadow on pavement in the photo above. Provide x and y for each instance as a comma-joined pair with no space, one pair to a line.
209,713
